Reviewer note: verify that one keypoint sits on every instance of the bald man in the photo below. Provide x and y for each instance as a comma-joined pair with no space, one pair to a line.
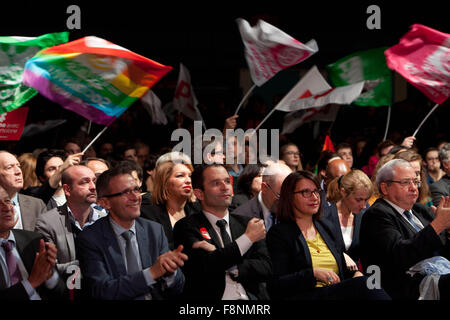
265,204
336,168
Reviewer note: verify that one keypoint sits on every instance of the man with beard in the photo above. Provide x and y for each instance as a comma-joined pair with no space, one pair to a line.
62,224
264,205
397,233
228,258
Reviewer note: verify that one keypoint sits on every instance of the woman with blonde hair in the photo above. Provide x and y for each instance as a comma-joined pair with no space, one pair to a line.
172,194
350,193
28,166
290,154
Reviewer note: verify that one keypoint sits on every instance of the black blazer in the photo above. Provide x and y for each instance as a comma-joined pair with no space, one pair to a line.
330,214
440,188
27,244
390,242
158,213
293,276
205,271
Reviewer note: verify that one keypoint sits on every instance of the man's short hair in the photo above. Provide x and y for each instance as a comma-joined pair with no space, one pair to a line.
66,177
343,145
444,153
386,172
135,167
197,177
103,180
87,160
43,158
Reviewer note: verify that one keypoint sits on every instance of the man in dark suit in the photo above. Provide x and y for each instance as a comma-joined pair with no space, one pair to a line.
228,258
396,232
26,208
442,186
23,274
264,205
123,256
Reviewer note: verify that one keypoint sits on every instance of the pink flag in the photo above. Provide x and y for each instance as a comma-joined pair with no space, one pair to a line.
269,50
185,100
423,58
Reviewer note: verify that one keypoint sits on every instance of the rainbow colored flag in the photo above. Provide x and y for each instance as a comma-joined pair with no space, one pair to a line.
92,77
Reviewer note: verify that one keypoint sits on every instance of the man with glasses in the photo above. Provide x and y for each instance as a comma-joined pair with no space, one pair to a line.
123,256
264,205
397,233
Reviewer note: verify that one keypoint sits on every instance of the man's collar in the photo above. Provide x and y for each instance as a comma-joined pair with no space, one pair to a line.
396,207
213,218
263,206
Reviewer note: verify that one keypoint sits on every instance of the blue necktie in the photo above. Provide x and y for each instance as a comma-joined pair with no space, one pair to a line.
410,219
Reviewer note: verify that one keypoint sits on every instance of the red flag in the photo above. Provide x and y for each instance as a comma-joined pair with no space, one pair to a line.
423,58
328,145
12,124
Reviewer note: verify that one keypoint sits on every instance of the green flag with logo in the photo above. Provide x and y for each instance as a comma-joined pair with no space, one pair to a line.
367,65
14,52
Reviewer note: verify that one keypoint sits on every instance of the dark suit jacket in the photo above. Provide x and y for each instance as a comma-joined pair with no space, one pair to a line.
440,188
251,208
238,200
330,214
205,271
30,209
293,276
103,267
390,242
27,244
158,213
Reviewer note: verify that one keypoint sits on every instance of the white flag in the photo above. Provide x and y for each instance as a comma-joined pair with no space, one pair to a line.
310,84
339,95
295,119
269,50
185,100
152,104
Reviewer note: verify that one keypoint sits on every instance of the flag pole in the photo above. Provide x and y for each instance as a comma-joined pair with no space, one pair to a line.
244,98
387,123
424,119
93,140
268,115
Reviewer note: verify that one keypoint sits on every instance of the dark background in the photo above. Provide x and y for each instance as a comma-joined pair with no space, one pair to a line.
205,38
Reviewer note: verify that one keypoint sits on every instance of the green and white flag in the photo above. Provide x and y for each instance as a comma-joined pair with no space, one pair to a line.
14,52
367,65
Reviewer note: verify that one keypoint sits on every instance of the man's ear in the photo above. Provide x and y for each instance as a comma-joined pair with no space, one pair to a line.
199,194
383,188
66,189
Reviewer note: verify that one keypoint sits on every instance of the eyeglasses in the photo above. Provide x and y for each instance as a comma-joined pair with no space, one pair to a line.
307,193
406,183
292,153
136,190
277,195
433,159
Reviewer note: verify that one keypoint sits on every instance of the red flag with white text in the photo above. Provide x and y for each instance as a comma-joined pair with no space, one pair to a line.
269,50
423,58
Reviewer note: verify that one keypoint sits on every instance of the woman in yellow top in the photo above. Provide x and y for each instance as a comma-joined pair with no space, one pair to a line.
306,262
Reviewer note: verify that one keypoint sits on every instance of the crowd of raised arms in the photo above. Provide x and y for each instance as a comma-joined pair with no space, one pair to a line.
125,221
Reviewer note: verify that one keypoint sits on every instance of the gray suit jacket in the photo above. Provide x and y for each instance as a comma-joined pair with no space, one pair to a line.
30,209
440,188
55,226
251,208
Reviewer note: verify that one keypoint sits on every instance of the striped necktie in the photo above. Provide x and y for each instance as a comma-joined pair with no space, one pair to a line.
410,219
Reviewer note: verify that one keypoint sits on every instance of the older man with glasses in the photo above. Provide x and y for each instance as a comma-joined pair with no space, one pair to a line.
265,204
397,233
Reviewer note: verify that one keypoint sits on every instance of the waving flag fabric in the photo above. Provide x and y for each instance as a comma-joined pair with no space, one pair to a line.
14,52
295,119
269,50
152,104
185,100
369,65
423,58
92,77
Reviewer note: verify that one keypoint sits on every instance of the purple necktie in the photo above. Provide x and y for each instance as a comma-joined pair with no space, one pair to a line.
11,261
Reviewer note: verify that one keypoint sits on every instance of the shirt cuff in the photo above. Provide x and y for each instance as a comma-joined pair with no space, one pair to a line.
169,280
30,290
53,281
243,243
148,277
